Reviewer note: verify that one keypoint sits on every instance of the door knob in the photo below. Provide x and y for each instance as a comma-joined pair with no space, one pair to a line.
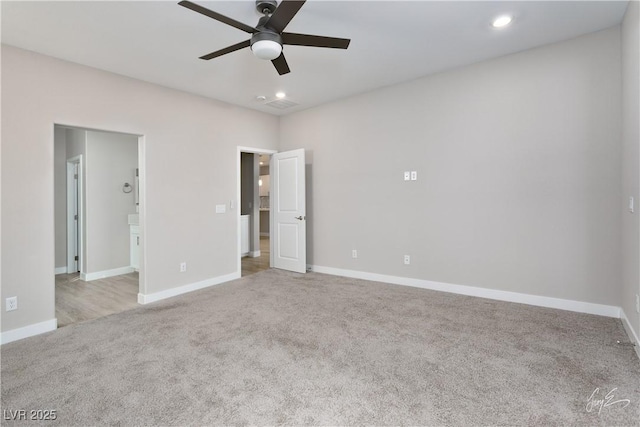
300,217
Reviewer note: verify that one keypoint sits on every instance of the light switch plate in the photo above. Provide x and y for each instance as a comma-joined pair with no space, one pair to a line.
631,204
221,208
407,175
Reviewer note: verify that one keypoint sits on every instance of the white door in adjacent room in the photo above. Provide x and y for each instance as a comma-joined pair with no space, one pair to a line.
288,208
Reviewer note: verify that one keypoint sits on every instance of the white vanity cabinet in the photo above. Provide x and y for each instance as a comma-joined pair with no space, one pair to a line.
134,241
135,247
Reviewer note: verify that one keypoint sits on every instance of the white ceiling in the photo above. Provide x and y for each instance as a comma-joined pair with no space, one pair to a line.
391,41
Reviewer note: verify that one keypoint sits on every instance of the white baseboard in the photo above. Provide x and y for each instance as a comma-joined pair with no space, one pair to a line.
61,270
254,254
633,336
149,298
28,331
540,301
87,277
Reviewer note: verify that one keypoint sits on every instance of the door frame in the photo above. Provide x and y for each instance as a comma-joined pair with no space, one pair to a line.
239,152
142,198
79,237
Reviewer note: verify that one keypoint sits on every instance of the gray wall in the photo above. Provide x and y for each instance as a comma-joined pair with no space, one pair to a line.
631,160
189,163
60,196
264,222
111,161
246,183
518,163
76,143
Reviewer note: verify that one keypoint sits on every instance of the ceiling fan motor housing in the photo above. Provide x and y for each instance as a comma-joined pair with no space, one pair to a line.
266,35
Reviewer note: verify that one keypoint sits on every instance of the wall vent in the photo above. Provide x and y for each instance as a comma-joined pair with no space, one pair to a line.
281,104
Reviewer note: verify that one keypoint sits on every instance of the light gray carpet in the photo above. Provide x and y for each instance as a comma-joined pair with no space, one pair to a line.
283,348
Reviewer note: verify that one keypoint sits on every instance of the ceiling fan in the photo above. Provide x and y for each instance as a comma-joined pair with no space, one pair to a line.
268,37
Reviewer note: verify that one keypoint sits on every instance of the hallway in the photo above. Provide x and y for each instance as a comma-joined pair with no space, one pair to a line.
254,265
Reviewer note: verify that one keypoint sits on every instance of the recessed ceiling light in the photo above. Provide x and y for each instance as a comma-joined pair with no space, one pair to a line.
280,95
502,21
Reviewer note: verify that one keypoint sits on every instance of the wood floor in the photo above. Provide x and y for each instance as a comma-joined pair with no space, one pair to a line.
77,301
253,265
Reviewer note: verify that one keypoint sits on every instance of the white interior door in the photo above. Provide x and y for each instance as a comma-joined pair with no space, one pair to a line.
288,210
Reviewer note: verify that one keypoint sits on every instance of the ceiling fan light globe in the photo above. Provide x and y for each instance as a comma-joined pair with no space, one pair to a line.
266,49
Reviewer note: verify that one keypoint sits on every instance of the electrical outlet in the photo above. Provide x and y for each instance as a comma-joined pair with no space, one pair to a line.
631,204
12,303
638,303
407,260
183,267
414,175
354,253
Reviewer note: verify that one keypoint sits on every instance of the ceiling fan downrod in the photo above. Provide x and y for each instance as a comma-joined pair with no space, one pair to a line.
266,7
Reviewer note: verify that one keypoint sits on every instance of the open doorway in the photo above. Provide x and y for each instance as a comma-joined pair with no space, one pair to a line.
286,202
97,239
254,210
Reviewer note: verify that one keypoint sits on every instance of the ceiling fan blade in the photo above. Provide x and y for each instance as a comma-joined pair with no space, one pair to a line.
284,14
218,17
226,50
315,41
281,64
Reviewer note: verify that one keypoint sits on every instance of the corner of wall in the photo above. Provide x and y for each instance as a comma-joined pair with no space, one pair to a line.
631,333
630,171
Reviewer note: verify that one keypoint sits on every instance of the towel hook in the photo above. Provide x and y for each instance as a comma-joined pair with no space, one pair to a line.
127,188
